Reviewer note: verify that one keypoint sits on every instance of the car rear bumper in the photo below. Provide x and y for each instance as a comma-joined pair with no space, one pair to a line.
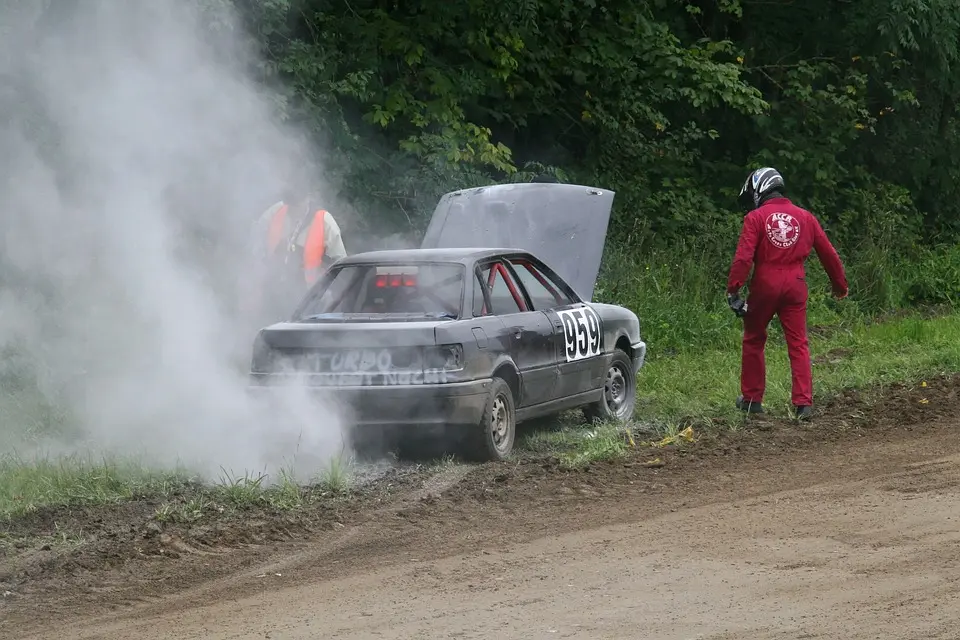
639,355
419,405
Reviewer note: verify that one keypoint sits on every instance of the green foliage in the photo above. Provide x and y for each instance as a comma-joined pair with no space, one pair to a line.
29,483
668,102
936,279
675,292
700,387
426,98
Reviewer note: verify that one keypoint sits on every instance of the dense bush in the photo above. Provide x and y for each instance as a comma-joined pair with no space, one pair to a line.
668,102
678,294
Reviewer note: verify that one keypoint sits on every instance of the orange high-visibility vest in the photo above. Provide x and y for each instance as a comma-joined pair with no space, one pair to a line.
313,248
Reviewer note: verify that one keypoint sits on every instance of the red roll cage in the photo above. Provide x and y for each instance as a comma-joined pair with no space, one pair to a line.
498,267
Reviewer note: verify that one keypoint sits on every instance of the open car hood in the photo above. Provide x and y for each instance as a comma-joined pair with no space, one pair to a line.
565,225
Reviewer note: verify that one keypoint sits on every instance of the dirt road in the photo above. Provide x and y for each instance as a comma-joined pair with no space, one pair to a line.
852,537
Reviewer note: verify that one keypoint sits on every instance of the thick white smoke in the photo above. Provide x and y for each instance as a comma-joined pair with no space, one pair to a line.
136,153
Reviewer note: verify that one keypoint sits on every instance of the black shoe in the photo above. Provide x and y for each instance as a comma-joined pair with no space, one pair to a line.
804,412
749,407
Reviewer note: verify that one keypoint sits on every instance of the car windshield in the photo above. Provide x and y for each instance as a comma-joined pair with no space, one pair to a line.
408,290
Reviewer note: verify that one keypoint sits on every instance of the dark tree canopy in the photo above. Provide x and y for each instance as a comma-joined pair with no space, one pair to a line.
669,102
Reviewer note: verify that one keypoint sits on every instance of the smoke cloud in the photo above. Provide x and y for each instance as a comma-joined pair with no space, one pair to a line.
137,153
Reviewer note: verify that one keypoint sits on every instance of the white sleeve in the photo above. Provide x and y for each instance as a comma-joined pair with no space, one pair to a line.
331,238
261,228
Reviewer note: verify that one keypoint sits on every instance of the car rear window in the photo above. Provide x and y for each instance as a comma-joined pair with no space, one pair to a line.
417,290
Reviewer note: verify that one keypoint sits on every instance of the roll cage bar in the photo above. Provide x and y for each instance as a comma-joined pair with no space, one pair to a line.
502,266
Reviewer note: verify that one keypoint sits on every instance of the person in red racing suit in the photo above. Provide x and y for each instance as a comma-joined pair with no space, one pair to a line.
776,238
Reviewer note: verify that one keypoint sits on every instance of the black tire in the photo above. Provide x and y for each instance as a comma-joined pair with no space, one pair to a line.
619,392
493,438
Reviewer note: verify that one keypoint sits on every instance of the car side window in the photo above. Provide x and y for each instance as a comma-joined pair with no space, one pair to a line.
505,296
543,290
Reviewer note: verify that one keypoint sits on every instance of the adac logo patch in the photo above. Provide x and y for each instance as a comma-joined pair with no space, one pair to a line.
783,230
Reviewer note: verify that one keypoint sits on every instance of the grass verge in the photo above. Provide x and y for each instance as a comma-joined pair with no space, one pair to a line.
691,388
690,391
691,378
700,388
27,484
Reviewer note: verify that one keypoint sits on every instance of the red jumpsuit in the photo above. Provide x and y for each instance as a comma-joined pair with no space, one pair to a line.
777,238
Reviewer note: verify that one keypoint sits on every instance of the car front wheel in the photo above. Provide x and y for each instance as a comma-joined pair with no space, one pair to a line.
493,438
619,392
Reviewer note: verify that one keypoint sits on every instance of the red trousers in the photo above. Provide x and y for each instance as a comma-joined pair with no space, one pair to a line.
780,292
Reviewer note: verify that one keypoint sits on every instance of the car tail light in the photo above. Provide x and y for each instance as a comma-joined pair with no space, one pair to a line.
448,357
263,359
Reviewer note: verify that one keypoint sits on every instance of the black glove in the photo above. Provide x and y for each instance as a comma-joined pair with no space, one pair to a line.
738,306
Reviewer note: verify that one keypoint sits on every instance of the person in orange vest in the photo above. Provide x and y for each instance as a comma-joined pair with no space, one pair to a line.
294,242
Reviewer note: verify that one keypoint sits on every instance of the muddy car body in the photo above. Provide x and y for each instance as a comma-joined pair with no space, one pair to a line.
462,336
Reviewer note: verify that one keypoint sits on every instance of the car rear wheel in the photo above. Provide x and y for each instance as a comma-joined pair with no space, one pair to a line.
493,438
619,392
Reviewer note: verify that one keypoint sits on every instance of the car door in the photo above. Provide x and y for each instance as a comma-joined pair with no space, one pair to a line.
530,334
578,328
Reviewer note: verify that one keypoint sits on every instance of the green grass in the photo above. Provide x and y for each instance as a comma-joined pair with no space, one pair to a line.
698,389
702,387
577,445
691,377
27,484
335,477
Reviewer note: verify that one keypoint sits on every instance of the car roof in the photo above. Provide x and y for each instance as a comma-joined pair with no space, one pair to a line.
452,255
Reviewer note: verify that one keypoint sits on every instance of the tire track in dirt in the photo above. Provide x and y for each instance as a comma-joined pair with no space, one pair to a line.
846,556
490,507
432,488
132,592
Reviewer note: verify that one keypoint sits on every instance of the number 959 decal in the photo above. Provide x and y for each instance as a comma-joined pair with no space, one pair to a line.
581,333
